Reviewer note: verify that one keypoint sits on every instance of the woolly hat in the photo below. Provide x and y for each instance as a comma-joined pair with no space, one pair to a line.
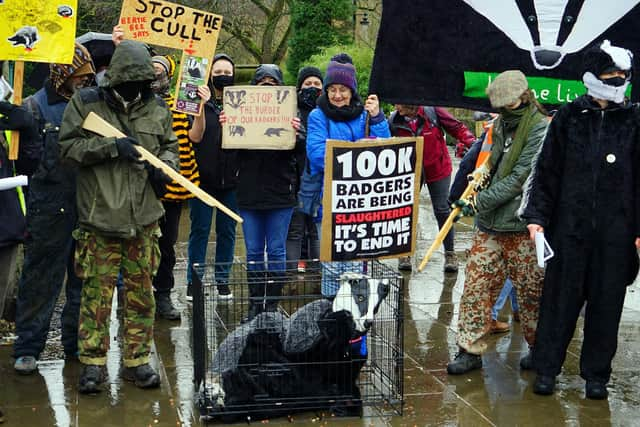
341,71
166,62
306,72
80,66
267,70
605,58
506,88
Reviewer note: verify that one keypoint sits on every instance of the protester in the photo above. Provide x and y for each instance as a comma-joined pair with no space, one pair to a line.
583,196
219,177
431,123
303,235
500,247
51,218
185,131
12,220
340,114
266,197
118,210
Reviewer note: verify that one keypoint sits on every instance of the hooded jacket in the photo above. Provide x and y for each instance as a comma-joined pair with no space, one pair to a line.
114,196
268,178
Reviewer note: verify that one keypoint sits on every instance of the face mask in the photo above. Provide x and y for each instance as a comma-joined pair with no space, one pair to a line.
222,81
600,90
100,77
614,81
129,90
308,96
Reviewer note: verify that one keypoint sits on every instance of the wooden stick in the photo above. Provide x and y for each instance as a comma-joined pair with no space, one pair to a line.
97,124
18,78
469,191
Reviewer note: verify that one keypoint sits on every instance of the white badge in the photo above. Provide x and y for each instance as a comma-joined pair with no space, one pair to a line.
611,158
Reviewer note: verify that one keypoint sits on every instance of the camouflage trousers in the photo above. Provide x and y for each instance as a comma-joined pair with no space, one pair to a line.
98,261
492,259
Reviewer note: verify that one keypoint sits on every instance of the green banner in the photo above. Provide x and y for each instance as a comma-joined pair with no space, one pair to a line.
547,90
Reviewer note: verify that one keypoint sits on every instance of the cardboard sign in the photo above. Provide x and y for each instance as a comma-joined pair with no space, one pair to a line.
38,31
259,117
171,25
371,198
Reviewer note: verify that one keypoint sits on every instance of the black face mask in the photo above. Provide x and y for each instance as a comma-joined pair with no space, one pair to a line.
614,81
222,81
308,97
130,90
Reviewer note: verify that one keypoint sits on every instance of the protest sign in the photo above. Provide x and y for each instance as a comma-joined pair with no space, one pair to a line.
370,201
259,117
171,25
193,31
38,31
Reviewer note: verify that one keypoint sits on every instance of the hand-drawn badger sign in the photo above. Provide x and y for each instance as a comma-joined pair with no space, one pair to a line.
259,117
471,41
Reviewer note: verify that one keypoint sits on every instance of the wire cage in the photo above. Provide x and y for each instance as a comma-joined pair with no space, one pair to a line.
278,346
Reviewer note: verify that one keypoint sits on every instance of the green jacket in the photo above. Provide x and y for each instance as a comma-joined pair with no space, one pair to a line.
114,196
498,204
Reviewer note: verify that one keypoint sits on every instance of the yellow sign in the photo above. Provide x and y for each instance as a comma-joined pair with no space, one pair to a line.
171,25
38,30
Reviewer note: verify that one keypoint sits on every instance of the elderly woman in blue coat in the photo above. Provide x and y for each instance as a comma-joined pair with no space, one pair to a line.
340,114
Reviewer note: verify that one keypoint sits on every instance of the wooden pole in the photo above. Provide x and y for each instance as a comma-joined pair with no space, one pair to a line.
18,78
97,124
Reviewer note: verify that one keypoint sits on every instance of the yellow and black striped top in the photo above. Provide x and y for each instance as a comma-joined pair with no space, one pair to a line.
188,165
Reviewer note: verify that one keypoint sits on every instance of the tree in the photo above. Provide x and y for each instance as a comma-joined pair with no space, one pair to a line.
317,24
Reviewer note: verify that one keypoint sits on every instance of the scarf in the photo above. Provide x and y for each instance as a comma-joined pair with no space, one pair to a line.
598,89
342,114
522,120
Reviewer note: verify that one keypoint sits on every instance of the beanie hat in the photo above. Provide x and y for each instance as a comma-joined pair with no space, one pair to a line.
80,66
341,71
605,58
506,88
220,56
306,72
166,62
267,70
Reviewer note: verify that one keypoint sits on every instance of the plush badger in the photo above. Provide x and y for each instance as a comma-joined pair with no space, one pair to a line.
275,365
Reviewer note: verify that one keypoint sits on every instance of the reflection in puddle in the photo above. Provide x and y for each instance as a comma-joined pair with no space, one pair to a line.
54,380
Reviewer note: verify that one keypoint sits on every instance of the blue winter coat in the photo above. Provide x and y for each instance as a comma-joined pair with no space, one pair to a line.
319,129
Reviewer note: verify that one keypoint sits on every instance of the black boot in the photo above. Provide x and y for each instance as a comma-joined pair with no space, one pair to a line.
165,308
275,283
91,379
526,363
256,283
143,376
464,362
544,385
596,390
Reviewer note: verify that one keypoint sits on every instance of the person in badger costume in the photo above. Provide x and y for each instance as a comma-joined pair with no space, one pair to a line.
584,196
309,361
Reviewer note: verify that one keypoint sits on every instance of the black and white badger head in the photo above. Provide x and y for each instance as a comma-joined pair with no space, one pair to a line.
360,295
602,60
551,29
26,36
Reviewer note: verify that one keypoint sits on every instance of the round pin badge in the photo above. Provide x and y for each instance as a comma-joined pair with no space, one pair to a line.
611,158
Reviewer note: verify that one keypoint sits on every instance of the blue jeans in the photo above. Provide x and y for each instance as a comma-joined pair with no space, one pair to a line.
507,291
266,228
201,218
439,192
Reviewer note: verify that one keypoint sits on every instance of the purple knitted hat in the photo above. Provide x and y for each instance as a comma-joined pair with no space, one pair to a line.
341,71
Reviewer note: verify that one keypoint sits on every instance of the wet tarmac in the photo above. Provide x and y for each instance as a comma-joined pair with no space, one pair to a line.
498,395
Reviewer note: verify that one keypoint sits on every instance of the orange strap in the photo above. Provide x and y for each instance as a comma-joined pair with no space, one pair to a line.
485,151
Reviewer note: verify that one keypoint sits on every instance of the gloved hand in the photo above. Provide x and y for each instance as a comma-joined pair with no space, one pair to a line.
461,150
158,179
15,117
467,207
126,149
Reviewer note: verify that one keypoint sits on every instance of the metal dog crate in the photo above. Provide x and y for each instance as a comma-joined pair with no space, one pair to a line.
272,382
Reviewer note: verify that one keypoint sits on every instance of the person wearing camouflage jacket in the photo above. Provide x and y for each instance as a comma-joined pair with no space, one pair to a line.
118,210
